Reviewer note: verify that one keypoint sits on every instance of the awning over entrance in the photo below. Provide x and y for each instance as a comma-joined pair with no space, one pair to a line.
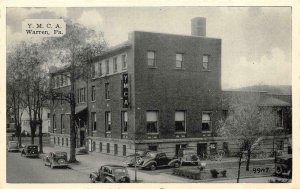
79,109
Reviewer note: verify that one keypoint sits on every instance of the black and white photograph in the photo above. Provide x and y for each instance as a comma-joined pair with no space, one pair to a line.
149,94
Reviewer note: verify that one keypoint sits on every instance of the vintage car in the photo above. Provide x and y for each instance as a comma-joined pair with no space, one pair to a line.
110,174
131,160
188,156
283,166
13,146
56,159
30,150
152,160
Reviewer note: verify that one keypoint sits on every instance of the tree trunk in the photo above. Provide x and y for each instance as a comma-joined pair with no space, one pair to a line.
72,127
32,131
239,169
135,166
41,136
248,160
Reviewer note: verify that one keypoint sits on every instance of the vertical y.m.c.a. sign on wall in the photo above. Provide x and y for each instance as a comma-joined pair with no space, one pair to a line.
125,90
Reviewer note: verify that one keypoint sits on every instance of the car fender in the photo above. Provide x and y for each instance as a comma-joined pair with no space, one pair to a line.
94,175
148,163
173,161
109,179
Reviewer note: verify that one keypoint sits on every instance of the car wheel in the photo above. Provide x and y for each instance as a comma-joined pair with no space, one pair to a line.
152,167
176,164
278,170
92,180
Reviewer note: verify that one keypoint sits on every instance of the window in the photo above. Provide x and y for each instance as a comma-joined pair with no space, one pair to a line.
279,120
205,62
48,115
94,146
57,81
124,150
116,149
93,70
62,122
108,121
179,61
62,141
151,59
106,90
93,93
115,64
68,79
151,119
54,122
124,63
61,80
81,95
67,142
94,121
100,69
58,140
206,121
108,148
180,121
54,140
124,122
100,146
107,66
179,146
152,147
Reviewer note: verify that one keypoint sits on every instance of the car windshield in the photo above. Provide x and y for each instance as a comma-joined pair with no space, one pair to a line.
13,143
32,147
150,155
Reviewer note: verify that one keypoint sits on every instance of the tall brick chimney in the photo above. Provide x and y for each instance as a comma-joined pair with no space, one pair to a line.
198,26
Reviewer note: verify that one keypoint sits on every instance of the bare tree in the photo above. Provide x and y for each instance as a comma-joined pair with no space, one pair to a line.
248,122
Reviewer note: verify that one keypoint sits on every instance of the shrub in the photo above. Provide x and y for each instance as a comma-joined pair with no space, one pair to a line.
214,173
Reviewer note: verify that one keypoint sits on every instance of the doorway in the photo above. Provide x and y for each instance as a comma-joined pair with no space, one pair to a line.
202,149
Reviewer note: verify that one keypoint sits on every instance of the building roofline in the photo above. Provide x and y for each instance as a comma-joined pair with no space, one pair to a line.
183,35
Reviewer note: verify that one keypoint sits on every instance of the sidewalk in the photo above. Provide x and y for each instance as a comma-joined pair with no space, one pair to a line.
92,162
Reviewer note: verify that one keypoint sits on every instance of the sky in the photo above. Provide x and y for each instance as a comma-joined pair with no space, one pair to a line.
256,41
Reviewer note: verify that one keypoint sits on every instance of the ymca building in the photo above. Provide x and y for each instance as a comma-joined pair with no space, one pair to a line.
154,91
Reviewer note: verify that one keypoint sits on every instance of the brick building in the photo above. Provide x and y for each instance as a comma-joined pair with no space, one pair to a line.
162,89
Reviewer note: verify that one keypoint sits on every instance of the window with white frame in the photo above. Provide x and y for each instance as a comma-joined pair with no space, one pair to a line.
115,64
152,119
180,117
108,121
179,60
124,61
68,79
124,121
205,62
106,88
206,121
151,59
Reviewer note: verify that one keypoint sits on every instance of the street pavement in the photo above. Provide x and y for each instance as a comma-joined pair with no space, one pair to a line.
28,170
32,170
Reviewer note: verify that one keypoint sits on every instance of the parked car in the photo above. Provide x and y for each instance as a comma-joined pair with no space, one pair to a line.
188,156
283,166
110,174
56,159
131,160
13,146
30,151
152,160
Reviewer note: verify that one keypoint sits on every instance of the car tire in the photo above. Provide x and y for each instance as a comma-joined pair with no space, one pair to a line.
152,167
92,179
278,170
176,164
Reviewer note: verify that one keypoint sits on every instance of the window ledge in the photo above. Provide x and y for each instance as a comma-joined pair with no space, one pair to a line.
93,101
206,131
95,131
152,67
180,69
180,133
108,132
152,133
206,70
